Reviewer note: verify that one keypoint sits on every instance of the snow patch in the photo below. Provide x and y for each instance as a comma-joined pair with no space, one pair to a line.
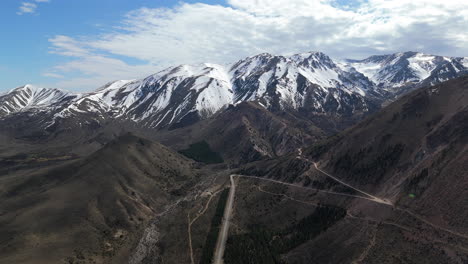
422,65
465,62
368,69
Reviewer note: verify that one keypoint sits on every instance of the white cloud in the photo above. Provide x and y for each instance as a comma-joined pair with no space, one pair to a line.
27,8
67,46
52,75
97,70
93,69
192,33
30,7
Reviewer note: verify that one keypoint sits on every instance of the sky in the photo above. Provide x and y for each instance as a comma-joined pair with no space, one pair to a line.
80,45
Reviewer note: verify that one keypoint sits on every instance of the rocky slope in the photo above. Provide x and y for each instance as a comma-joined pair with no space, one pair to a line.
414,151
244,133
90,210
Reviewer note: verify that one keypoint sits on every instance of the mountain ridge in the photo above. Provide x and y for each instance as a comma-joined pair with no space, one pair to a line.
311,81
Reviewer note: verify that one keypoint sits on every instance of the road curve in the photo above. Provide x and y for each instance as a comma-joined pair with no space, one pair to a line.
223,232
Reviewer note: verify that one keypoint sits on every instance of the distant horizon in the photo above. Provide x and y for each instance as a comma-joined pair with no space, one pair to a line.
80,46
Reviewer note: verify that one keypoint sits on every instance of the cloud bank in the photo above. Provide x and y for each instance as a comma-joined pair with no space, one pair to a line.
194,33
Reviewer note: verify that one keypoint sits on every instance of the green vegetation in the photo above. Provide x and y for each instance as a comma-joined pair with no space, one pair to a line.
262,246
202,152
210,242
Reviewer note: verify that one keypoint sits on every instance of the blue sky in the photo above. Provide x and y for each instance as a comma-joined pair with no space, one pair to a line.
79,45
24,53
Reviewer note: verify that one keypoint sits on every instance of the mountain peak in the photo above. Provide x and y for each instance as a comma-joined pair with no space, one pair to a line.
309,54
113,85
263,54
313,59
30,97
29,87
410,67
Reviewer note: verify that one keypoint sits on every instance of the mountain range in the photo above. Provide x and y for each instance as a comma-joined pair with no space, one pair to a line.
312,82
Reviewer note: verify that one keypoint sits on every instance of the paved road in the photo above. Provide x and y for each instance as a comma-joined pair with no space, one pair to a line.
223,234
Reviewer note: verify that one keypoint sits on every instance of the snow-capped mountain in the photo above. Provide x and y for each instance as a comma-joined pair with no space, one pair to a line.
290,81
32,97
399,69
308,82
